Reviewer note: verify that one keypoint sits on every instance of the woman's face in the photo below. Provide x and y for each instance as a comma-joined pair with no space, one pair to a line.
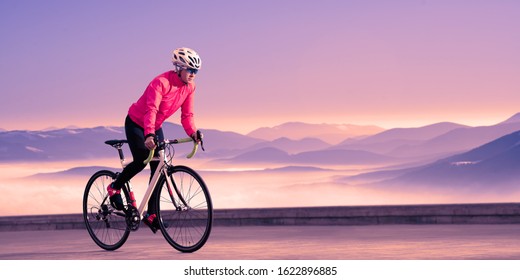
188,75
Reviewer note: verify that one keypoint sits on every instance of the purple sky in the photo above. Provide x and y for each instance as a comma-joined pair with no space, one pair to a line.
388,63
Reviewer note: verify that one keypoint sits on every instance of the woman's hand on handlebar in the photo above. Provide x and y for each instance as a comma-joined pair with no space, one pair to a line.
149,142
197,136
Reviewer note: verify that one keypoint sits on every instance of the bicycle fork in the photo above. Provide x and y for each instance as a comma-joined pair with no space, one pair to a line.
170,183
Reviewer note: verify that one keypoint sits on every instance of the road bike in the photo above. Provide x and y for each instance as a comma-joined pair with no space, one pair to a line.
184,207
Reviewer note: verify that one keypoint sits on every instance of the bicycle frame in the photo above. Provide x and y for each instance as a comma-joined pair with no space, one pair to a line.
161,170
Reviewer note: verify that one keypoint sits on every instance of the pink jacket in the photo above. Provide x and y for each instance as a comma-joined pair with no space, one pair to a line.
164,95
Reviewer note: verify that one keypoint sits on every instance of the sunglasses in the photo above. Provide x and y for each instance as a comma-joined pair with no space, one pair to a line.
192,71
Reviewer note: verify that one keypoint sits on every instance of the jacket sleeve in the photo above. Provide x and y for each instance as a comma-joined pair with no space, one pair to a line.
187,120
153,94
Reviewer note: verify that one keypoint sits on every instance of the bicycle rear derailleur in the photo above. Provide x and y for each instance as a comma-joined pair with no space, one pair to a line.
133,219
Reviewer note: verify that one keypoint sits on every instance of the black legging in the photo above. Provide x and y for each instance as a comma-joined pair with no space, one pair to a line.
135,137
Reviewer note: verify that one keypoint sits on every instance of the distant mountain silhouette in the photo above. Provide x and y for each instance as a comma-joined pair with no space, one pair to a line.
491,165
88,143
515,118
218,143
389,140
457,140
62,144
419,133
431,142
323,157
291,146
329,133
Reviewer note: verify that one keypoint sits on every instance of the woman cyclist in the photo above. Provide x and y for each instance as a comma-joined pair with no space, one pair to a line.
163,96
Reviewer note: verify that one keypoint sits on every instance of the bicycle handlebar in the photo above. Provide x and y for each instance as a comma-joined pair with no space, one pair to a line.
176,141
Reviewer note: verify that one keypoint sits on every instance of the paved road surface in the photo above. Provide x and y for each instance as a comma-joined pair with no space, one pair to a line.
382,242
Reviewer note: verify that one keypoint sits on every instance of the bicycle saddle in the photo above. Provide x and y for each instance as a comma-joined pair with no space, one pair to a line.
115,143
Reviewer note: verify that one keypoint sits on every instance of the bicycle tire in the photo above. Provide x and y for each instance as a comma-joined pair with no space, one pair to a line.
185,228
106,226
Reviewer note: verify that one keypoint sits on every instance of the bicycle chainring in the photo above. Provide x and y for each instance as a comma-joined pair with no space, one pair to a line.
133,219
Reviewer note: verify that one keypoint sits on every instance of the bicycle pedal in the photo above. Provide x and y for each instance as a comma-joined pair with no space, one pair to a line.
150,225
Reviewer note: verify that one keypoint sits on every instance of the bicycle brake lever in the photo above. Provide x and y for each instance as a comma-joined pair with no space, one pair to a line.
199,136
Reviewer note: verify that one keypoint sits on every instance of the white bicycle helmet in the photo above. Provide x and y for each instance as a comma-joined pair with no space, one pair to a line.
186,58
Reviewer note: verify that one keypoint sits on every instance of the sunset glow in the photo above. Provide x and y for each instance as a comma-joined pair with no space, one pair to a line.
392,64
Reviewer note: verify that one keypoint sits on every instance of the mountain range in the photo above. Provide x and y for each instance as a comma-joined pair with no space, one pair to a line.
493,166
496,161
329,133
307,147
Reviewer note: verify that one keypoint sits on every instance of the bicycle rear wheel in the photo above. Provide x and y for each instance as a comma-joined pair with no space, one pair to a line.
106,225
185,212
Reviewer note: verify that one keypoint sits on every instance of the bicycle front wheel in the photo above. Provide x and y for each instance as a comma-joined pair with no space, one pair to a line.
185,211
106,226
